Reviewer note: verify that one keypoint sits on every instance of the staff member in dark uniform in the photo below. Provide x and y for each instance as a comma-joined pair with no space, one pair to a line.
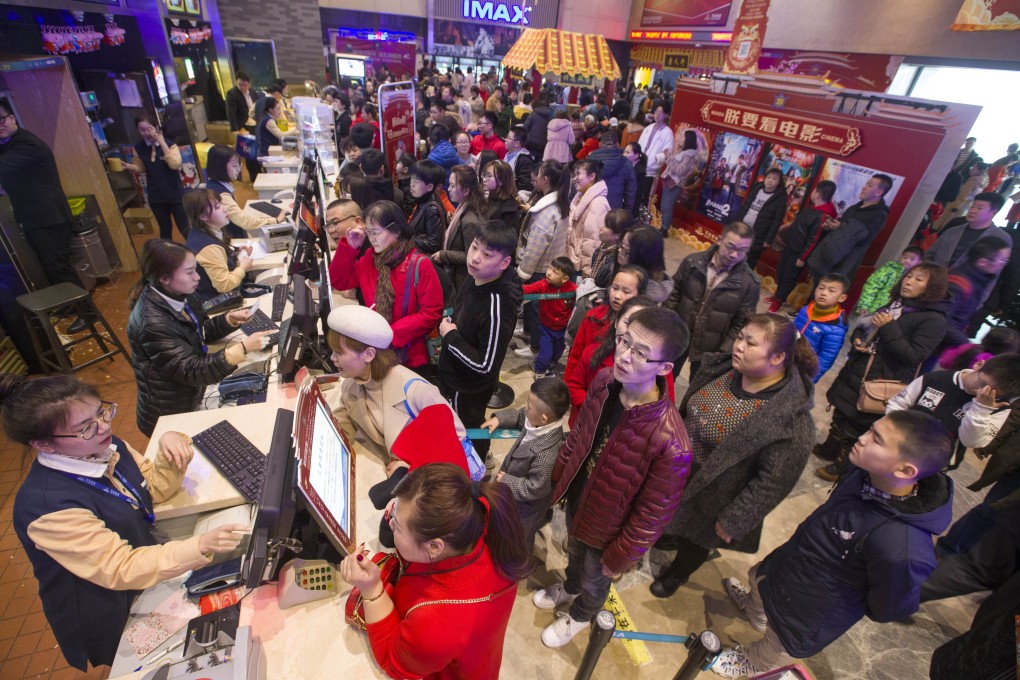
161,163
84,513
28,173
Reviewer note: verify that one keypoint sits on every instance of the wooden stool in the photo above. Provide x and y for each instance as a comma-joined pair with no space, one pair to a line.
52,352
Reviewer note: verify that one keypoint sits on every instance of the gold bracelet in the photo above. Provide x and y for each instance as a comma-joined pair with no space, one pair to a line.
373,599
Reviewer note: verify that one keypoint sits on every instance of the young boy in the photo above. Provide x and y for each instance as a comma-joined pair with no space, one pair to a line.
553,315
428,217
864,552
527,468
475,339
875,293
628,450
823,322
989,424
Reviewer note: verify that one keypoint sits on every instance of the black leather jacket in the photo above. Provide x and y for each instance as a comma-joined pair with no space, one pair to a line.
166,354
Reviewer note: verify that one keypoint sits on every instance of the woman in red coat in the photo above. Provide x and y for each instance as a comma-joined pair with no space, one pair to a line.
630,281
464,551
412,306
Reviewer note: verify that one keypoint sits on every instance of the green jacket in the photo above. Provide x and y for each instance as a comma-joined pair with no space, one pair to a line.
875,293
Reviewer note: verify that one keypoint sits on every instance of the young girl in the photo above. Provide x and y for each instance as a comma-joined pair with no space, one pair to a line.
588,212
428,218
896,339
221,268
412,307
168,332
500,189
604,261
84,512
644,247
629,282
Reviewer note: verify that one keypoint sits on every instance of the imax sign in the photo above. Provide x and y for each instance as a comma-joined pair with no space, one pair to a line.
490,10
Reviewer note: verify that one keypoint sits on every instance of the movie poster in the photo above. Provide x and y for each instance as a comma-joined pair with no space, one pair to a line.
464,39
690,185
797,167
850,179
728,175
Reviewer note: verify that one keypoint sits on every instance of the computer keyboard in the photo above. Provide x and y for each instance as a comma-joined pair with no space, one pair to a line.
258,322
234,456
279,301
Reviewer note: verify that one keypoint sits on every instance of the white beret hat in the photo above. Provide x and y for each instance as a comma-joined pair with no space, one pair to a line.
361,324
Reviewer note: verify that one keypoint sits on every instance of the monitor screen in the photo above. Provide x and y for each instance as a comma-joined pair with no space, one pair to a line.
350,67
275,517
326,469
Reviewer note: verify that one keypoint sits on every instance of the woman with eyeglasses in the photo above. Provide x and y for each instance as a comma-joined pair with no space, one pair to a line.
462,144
395,279
748,416
84,513
223,167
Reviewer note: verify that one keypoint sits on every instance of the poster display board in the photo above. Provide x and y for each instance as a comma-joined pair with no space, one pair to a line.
798,168
728,176
850,179
396,117
690,186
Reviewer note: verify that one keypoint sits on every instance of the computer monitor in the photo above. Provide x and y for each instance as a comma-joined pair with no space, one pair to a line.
275,515
299,331
352,67
303,258
325,469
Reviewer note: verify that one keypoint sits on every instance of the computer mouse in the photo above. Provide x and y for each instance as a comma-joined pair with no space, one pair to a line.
277,200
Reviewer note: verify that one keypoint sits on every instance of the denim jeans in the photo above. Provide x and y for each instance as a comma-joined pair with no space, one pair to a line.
669,198
550,348
584,577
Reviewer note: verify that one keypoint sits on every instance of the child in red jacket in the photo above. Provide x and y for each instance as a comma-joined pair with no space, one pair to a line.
553,314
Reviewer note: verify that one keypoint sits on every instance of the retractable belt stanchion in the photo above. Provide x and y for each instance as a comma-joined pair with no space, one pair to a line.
602,628
702,648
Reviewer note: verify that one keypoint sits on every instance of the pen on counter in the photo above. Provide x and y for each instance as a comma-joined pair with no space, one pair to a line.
176,645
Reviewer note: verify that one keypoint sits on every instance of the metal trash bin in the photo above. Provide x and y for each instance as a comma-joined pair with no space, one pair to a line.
88,248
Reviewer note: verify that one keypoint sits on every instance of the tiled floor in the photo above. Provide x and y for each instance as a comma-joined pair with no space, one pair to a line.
28,650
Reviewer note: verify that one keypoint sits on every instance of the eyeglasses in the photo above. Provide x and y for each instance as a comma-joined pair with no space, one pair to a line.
106,413
338,222
7,117
624,343
488,176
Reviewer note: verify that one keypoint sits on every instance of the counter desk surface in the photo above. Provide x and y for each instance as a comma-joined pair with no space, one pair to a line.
305,641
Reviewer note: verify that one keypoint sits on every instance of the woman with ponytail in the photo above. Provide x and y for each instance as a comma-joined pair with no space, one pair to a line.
463,550
169,335
84,512
396,280
748,415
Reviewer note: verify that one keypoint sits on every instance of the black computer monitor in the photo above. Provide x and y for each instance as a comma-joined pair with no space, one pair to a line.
275,515
298,333
325,294
303,257
325,469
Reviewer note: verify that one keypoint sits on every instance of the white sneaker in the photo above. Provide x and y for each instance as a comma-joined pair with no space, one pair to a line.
524,352
733,663
562,630
741,596
552,597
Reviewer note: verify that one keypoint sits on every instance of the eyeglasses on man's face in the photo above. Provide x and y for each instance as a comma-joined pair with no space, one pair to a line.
624,343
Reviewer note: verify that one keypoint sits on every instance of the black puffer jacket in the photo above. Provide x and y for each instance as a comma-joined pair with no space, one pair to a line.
537,126
166,354
508,212
901,345
713,319
770,217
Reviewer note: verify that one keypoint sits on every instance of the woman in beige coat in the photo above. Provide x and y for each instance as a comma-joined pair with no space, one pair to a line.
588,212
559,138
377,396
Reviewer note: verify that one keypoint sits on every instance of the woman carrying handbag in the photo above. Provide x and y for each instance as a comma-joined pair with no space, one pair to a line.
888,345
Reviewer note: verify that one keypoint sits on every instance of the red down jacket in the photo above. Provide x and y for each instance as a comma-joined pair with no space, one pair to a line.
636,485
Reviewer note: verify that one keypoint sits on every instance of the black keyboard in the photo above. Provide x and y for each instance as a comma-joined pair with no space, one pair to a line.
279,301
266,208
258,322
234,456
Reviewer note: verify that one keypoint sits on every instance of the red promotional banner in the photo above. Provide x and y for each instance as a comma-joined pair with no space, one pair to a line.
398,57
825,136
748,37
396,112
872,72
979,15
